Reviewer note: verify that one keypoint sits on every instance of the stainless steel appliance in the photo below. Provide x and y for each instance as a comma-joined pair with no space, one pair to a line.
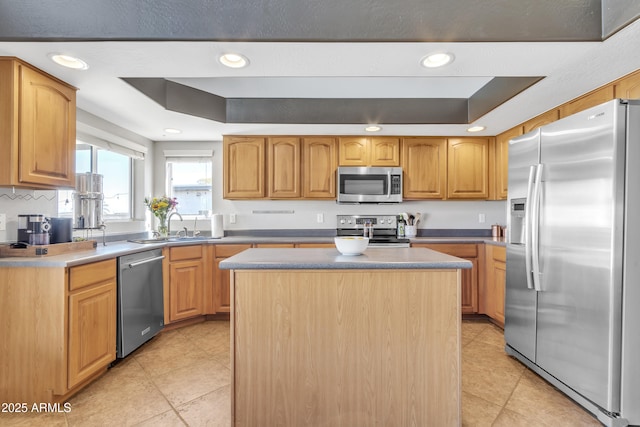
381,229
33,229
573,245
369,184
88,201
140,300
61,230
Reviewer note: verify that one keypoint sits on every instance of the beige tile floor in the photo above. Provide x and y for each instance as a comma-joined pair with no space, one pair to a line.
182,377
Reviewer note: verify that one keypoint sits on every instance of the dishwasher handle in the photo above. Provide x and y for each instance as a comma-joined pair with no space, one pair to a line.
145,261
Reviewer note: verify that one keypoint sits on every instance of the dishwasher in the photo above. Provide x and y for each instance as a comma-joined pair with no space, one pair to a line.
140,300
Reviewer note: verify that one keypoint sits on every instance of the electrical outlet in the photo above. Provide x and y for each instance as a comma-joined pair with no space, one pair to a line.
3,222
320,218
481,218
232,218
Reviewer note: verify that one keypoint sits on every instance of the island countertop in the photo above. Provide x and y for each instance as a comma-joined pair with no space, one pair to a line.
331,259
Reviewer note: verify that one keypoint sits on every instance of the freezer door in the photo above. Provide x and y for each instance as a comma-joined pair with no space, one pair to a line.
579,306
520,301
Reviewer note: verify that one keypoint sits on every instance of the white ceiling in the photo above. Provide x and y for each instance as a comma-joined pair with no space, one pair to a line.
356,70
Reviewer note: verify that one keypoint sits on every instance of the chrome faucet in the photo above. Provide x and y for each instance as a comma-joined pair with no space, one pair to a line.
169,221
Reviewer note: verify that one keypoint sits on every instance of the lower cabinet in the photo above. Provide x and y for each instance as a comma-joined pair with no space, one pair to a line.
59,329
469,285
92,319
186,282
222,278
496,275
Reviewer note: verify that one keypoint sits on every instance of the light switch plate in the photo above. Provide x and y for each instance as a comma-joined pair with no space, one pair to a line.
232,218
3,222
320,218
481,218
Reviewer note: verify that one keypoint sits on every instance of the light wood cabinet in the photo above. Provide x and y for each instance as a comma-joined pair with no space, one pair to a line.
319,167
222,278
496,274
424,163
283,167
468,168
60,329
363,151
37,128
244,167
315,245
92,319
628,87
541,120
589,100
502,161
186,282
470,277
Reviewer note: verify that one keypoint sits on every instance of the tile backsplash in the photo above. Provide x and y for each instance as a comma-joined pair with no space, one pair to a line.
17,202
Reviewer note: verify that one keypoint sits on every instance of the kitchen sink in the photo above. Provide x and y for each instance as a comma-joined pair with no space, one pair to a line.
168,239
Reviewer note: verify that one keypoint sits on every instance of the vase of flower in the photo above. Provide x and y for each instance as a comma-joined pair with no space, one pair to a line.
161,207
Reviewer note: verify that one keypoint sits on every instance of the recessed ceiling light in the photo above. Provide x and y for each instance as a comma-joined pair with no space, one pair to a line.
476,128
68,61
234,60
438,59
373,128
172,130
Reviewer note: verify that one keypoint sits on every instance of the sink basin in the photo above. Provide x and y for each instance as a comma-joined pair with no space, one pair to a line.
168,239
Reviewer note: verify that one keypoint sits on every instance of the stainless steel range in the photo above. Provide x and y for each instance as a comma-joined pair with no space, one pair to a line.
381,229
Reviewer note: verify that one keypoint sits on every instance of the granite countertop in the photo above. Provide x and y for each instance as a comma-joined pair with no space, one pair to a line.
331,259
115,249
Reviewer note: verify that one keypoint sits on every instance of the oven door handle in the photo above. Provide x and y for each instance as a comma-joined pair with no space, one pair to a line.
145,261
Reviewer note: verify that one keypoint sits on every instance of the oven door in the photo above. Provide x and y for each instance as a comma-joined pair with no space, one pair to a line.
369,185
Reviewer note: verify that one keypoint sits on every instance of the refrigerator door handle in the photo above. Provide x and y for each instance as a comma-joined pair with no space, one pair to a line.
535,229
527,226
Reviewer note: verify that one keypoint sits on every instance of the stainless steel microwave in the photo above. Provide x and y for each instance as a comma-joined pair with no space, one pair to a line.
369,185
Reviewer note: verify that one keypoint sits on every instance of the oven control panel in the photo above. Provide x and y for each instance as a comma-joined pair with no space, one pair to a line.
359,221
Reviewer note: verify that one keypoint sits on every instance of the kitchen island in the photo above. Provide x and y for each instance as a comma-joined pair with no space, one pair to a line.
324,339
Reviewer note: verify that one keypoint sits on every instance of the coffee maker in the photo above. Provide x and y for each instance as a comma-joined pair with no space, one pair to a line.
33,229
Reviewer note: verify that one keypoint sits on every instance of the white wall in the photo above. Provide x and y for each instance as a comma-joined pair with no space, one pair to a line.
251,215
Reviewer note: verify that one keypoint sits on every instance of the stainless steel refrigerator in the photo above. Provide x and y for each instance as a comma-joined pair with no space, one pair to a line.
572,310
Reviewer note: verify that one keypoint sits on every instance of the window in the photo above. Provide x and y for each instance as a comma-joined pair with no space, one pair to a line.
115,169
189,181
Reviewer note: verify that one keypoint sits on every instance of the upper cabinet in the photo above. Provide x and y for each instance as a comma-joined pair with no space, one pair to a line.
629,87
283,167
37,128
244,161
424,163
589,100
375,151
468,168
319,160
502,161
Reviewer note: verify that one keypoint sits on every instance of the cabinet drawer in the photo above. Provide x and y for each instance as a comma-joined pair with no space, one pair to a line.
465,250
89,274
178,253
500,253
223,251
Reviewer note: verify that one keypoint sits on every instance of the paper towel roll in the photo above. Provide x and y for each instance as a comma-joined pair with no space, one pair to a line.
217,226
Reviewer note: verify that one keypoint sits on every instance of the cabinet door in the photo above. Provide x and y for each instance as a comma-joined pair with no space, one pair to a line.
92,330
283,167
502,161
222,294
319,168
592,99
541,120
496,281
47,139
186,286
353,151
424,163
244,160
628,87
468,168
384,151
469,279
